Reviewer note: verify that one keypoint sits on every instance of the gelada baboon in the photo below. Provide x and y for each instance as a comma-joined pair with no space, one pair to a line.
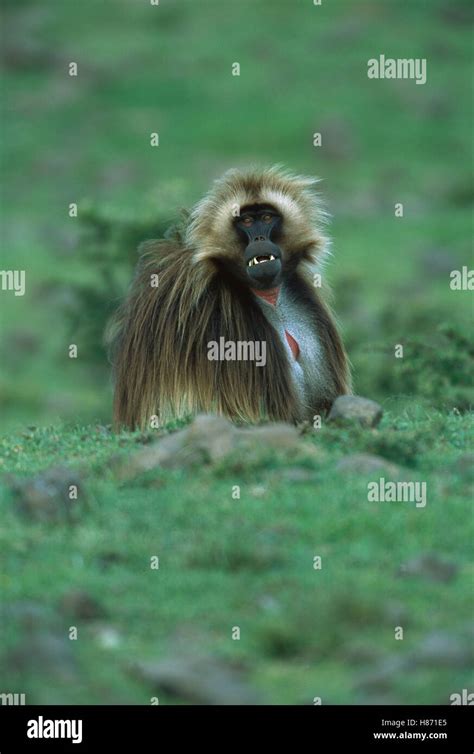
226,315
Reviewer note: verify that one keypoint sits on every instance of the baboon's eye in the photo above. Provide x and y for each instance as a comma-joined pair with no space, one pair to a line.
267,218
247,221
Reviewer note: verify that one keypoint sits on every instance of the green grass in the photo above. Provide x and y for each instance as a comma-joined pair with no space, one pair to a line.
247,563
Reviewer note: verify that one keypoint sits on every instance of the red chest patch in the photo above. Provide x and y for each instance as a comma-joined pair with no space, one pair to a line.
271,297
295,349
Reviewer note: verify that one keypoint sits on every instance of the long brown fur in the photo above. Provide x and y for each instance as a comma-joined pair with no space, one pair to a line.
160,334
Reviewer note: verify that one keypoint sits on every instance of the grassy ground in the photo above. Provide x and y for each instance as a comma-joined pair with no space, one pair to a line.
247,562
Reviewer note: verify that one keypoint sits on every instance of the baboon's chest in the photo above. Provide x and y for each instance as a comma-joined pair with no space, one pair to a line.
301,341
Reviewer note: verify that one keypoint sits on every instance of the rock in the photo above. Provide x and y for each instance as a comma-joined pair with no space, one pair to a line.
214,436
277,436
47,496
208,439
211,439
429,566
352,409
367,464
202,680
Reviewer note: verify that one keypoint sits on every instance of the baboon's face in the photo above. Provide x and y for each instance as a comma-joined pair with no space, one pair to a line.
258,228
277,228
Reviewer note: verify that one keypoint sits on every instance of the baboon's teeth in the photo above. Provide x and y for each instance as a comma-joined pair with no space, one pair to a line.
255,261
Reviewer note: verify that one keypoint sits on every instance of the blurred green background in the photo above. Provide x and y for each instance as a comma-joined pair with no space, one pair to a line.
167,69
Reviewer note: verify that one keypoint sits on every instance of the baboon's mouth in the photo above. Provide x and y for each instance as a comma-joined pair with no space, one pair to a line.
260,260
263,260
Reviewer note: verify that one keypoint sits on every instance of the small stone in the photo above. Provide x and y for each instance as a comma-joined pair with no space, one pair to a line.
352,409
